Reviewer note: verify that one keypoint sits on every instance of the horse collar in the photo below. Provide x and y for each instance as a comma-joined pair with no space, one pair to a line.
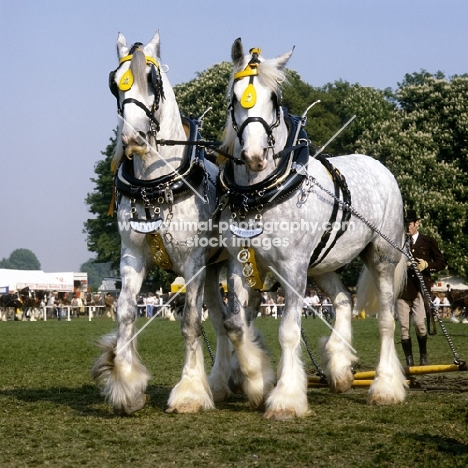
165,189
284,181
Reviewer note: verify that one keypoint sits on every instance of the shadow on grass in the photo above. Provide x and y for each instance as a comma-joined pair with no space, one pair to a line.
447,445
85,400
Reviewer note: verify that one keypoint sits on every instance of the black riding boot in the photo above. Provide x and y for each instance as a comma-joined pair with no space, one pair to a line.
422,342
408,350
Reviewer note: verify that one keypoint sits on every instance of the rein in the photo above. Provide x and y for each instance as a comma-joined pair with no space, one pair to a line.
213,146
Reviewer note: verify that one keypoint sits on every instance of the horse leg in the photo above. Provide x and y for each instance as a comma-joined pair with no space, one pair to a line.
219,377
336,351
123,377
253,370
289,398
389,384
193,392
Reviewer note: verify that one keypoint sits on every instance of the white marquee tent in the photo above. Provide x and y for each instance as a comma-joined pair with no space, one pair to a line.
14,280
455,282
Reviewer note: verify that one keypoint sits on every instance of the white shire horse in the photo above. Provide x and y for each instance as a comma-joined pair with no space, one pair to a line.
158,185
288,213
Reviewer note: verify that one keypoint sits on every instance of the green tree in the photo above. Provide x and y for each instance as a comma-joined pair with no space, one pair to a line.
102,230
21,259
209,89
322,119
423,142
96,272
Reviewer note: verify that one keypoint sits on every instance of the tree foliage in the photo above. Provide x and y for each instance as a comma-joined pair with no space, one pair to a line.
96,272
102,230
207,90
423,141
21,259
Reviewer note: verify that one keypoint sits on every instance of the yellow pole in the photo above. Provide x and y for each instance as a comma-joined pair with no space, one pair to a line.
415,370
316,382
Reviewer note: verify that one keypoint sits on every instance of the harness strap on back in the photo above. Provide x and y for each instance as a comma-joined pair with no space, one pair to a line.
339,183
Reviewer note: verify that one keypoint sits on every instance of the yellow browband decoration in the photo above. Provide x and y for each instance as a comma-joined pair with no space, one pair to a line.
249,70
147,57
126,82
249,96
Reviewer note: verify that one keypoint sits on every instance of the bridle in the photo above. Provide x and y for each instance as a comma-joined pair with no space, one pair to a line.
248,100
126,82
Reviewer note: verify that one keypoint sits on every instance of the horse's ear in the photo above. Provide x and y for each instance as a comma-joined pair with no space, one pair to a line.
122,48
237,53
153,48
282,60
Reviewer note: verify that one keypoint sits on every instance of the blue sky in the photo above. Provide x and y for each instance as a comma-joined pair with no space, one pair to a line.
57,114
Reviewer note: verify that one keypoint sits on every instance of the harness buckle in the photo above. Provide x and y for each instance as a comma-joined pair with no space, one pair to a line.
168,195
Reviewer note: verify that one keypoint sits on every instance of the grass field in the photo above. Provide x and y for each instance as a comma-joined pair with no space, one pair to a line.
51,413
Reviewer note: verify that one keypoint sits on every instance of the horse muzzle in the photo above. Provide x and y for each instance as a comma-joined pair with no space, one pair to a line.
256,162
135,143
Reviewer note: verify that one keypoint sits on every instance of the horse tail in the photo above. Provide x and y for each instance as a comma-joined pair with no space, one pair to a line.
366,293
401,271
366,290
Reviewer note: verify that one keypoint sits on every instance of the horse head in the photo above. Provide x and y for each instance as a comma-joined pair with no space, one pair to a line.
141,90
254,127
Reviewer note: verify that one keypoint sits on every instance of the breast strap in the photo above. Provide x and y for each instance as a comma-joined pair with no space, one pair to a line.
190,173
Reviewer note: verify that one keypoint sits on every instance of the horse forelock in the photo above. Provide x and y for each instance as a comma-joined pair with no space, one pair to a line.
270,76
138,67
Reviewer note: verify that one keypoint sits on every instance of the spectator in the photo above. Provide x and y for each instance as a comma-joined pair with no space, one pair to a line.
109,306
280,304
51,303
436,301
141,306
149,306
311,304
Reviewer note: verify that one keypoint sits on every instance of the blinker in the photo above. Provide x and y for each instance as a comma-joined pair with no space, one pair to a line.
126,82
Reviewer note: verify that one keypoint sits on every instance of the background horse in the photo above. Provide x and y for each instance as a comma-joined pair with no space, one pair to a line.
32,301
157,185
9,303
458,299
286,216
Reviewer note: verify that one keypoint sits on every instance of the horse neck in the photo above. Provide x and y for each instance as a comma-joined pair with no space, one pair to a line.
163,160
243,176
